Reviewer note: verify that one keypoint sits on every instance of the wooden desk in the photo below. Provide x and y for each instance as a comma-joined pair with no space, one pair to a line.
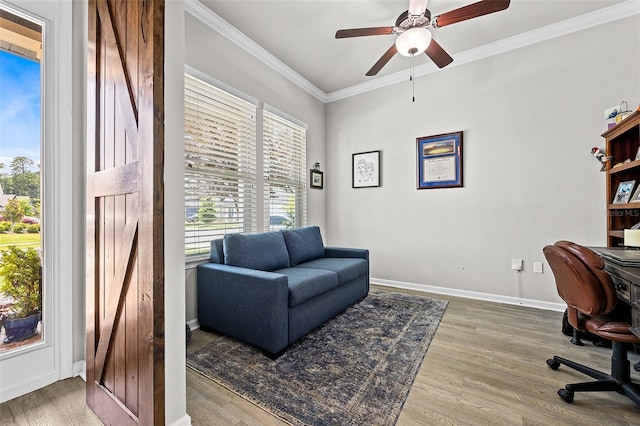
627,282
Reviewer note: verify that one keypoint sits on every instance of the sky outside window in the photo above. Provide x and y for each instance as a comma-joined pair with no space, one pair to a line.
19,109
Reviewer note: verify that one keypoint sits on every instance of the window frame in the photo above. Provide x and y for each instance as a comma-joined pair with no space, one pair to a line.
298,180
52,359
261,218
220,131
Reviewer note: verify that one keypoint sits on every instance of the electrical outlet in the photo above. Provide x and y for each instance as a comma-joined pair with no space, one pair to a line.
516,264
537,267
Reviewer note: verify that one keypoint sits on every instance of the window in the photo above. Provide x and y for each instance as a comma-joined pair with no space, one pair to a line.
220,165
228,156
21,103
285,189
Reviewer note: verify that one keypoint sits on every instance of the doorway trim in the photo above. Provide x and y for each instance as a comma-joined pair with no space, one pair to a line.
52,359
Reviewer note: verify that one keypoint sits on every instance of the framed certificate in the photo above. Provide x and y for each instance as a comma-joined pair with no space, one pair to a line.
439,161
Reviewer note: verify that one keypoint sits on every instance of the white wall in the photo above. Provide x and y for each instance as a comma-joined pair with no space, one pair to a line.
530,118
216,56
174,289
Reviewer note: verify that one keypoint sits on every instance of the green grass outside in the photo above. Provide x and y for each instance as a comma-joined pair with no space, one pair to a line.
19,240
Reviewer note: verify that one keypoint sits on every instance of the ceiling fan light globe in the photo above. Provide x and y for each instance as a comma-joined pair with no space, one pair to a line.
414,41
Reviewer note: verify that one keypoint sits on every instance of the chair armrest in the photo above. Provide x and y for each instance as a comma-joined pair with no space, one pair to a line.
346,252
247,304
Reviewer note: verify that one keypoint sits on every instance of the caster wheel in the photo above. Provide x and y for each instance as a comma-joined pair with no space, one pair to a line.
553,364
566,395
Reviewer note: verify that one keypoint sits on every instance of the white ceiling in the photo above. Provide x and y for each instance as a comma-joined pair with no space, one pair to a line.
301,33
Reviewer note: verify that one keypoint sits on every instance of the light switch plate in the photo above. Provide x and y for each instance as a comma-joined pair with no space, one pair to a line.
537,267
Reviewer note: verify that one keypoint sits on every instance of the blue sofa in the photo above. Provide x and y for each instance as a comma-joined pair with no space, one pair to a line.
272,288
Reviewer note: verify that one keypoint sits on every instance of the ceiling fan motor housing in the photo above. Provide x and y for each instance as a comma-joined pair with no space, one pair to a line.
406,21
413,32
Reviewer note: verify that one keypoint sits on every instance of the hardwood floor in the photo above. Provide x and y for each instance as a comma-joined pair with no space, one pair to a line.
485,366
62,403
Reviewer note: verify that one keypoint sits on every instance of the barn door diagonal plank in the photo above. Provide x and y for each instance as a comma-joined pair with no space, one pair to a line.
117,293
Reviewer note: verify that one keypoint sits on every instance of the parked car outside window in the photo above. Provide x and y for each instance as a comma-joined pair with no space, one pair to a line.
277,222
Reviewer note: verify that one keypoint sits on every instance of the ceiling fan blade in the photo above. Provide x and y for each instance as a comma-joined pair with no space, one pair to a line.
438,55
359,32
474,10
382,61
417,7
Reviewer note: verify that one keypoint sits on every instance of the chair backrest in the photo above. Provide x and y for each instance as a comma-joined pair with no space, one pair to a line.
581,280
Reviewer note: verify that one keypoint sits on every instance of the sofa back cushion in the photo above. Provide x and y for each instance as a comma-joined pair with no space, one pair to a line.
266,251
303,244
217,251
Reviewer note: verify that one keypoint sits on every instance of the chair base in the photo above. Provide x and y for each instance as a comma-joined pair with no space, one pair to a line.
619,380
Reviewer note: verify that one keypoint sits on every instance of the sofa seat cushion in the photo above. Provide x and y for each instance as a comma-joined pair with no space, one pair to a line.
265,252
306,283
347,268
303,244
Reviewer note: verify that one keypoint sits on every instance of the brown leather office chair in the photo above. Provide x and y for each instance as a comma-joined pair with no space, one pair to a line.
591,300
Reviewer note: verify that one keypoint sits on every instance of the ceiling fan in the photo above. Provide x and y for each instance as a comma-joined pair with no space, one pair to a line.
413,34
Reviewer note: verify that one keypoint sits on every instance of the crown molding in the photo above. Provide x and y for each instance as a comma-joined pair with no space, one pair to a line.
215,22
559,29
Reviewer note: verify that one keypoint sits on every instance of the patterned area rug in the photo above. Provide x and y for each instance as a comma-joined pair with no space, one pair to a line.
356,369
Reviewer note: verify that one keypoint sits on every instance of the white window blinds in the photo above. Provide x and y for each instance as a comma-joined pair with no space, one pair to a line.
285,177
220,165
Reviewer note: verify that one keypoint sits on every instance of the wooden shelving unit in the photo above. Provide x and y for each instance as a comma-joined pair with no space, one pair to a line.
622,142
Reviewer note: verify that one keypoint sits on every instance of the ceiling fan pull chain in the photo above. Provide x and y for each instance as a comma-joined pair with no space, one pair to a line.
413,82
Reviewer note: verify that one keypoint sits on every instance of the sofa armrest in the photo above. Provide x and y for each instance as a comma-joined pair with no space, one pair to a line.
247,304
346,252
350,252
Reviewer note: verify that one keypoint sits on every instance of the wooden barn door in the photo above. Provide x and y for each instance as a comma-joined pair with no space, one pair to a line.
125,228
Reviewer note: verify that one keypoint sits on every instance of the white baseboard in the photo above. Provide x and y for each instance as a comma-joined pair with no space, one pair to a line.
193,324
15,390
531,303
184,421
80,369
